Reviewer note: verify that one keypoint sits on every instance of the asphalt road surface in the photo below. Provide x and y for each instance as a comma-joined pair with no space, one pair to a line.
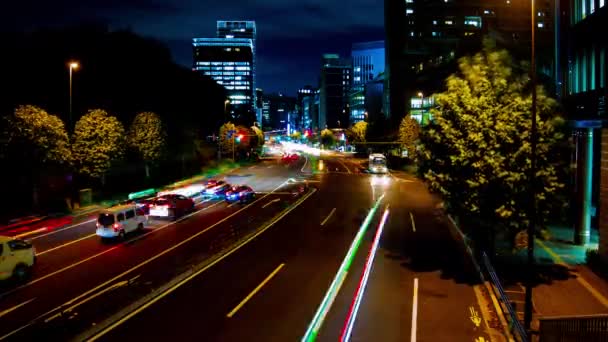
260,271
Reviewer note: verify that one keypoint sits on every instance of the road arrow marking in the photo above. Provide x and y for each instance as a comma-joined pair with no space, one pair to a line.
475,318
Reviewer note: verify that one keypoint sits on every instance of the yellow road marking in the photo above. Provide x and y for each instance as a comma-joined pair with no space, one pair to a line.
7,311
595,293
414,311
250,295
328,216
192,276
269,203
413,224
66,244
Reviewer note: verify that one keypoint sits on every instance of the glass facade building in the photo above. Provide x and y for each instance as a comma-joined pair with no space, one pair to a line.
368,63
229,61
303,107
334,90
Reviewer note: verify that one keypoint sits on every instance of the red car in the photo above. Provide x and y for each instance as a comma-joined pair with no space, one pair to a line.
171,206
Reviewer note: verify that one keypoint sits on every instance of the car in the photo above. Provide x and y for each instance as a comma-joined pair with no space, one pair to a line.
171,206
219,188
211,183
242,193
17,257
118,221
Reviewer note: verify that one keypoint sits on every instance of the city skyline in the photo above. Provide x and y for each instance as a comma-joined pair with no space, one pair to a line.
288,43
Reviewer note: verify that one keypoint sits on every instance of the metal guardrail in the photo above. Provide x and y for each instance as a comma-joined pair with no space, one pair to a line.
515,325
593,328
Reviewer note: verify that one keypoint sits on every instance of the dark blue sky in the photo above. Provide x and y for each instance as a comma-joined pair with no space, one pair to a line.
292,35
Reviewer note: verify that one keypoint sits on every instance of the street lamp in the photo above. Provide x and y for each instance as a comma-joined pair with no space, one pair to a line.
72,66
533,133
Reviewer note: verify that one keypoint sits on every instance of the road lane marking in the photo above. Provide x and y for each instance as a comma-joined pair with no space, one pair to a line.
414,311
192,276
328,216
66,244
343,164
269,166
21,236
354,308
413,224
475,318
129,270
62,229
269,203
232,204
7,311
258,288
558,260
305,162
330,295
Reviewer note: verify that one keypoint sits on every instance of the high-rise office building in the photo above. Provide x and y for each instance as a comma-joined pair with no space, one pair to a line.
304,106
229,63
240,29
281,109
424,39
259,106
334,87
584,92
368,64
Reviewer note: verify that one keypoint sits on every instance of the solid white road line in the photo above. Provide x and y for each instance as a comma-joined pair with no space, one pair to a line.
129,270
62,229
328,216
15,307
305,162
250,295
178,285
413,224
414,311
343,164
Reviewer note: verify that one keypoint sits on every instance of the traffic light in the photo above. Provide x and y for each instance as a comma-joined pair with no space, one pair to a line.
238,138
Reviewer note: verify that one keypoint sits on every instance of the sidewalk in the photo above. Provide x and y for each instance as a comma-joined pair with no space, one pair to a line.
564,284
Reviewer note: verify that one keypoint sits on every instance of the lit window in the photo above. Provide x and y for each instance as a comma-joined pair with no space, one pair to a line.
411,33
541,25
409,1
434,34
486,12
434,22
409,11
601,3
449,22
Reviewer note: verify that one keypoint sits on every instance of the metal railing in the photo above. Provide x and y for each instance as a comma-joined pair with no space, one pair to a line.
593,328
515,326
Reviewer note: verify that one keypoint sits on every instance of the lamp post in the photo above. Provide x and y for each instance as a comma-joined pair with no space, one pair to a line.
533,133
72,66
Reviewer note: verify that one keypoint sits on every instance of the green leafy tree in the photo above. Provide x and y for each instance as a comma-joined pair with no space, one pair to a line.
226,142
296,135
357,132
328,139
38,141
98,141
259,136
409,131
147,138
476,151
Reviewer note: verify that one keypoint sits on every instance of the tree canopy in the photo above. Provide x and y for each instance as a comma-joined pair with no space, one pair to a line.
226,142
99,140
409,131
328,138
147,136
476,150
34,136
357,132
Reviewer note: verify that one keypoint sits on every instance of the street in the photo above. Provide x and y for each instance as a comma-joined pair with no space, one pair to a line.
257,271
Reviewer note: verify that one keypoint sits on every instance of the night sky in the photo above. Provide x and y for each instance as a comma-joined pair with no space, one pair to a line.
292,35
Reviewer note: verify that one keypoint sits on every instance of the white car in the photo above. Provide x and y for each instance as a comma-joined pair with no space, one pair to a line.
17,257
118,221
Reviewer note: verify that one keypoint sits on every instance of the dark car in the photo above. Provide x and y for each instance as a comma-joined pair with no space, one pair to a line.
242,193
219,188
171,206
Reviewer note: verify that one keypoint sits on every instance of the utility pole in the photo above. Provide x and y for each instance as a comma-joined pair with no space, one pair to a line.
532,180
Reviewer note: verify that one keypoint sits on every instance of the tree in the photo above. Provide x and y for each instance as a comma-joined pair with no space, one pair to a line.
37,140
98,141
476,151
147,137
409,130
226,141
357,132
296,135
259,135
328,138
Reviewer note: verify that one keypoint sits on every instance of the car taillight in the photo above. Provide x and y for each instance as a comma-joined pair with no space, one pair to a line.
115,226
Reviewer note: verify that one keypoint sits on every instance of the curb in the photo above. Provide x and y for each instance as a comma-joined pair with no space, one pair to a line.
458,235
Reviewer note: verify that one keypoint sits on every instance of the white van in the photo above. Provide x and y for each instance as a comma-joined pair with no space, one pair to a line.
120,220
17,257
